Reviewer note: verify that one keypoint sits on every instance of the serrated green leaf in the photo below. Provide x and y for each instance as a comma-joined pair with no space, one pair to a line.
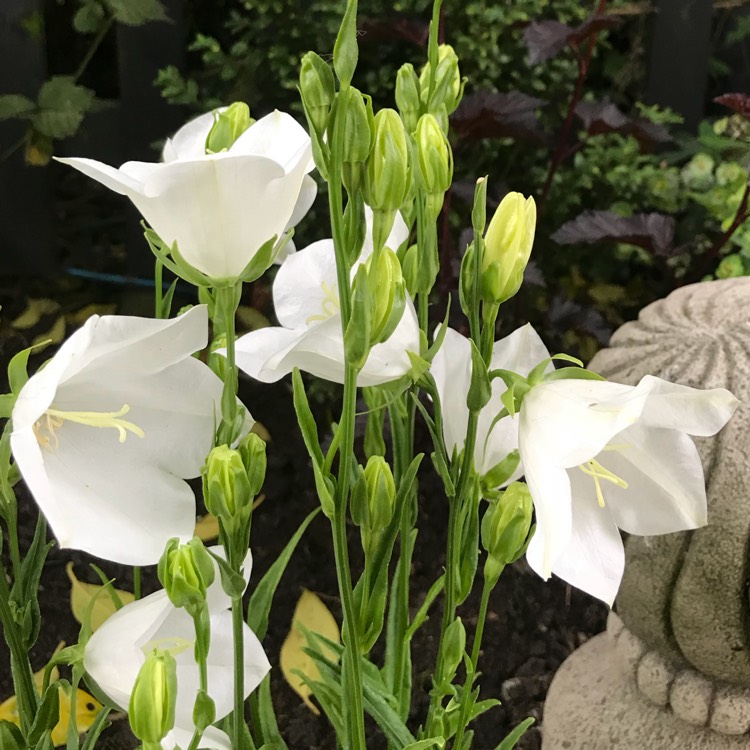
62,105
88,18
137,12
15,105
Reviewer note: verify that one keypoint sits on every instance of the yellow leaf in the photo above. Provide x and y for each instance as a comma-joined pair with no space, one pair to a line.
207,528
262,432
34,312
314,616
82,593
87,708
79,317
54,336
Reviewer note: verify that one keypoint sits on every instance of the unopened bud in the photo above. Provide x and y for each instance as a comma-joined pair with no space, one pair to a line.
447,87
226,486
228,126
410,268
388,173
388,294
377,495
252,448
317,89
407,96
508,243
186,571
358,135
506,524
454,647
435,157
151,710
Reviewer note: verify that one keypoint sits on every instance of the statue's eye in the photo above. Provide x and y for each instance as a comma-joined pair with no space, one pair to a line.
90,707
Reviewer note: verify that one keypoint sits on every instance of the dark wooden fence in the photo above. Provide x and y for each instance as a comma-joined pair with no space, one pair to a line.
677,77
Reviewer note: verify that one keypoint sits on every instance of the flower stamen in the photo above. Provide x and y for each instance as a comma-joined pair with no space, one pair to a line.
330,304
595,470
53,420
174,645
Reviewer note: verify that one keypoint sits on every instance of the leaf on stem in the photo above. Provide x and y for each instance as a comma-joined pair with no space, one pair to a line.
546,39
489,114
738,102
605,117
297,666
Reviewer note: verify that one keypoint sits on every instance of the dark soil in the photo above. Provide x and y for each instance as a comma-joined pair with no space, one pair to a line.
532,625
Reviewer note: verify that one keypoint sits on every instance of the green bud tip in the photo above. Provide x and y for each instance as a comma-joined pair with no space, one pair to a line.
151,710
228,126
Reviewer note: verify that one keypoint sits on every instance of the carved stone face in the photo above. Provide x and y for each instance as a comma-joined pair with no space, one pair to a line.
686,594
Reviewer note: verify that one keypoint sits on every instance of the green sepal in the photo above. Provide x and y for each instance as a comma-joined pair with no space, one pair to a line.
419,366
307,425
345,51
232,582
480,389
204,710
572,373
165,309
501,472
355,228
479,207
468,551
537,374
260,602
440,334
326,491
357,334
18,371
11,737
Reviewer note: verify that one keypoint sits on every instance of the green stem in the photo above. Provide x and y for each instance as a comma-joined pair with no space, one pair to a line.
91,51
472,671
238,716
158,289
23,676
201,654
137,582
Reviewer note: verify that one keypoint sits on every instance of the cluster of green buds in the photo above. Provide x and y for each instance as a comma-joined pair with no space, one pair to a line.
229,125
232,477
378,301
186,571
373,498
441,90
506,529
151,711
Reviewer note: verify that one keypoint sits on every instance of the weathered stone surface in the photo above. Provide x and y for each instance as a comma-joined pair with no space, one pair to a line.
654,678
690,698
592,706
731,711
685,594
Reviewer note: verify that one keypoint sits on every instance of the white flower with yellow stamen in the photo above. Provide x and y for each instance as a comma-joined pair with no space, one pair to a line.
107,431
306,300
599,457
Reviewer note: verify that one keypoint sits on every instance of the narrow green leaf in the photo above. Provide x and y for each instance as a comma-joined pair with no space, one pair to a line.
99,725
345,51
480,389
48,714
262,598
572,373
512,739
421,615
305,419
271,736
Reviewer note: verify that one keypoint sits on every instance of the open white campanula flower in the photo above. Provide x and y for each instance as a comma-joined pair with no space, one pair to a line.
219,208
116,651
598,456
107,431
306,300
518,352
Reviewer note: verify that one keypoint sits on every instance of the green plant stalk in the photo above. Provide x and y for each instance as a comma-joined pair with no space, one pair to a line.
23,676
158,289
238,715
137,581
352,674
471,672
200,657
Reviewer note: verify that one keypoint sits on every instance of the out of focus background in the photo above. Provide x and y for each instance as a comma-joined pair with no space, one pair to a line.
604,111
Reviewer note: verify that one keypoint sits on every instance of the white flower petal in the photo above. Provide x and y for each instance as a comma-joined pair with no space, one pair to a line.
113,655
260,354
213,738
666,488
189,142
399,234
106,175
280,137
299,289
594,559
520,352
220,210
306,198
691,410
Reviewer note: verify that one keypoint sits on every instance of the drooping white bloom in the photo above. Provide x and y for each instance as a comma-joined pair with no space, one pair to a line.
519,352
116,651
306,300
106,432
220,208
598,456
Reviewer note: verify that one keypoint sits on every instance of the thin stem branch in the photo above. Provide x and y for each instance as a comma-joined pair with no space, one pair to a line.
95,44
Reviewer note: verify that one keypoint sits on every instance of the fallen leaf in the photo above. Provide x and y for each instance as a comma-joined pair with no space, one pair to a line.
79,317
262,432
33,313
82,593
55,335
207,528
314,616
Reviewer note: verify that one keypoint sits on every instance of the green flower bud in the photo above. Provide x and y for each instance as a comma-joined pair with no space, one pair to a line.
466,280
506,524
388,172
454,647
317,89
228,126
152,702
508,243
186,571
252,448
358,135
407,96
226,487
387,294
447,87
410,268
380,493
435,157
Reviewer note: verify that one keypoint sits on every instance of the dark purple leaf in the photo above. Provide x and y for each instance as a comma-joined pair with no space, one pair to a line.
397,27
565,315
653,232
485,114
740,103
545,40
605,117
